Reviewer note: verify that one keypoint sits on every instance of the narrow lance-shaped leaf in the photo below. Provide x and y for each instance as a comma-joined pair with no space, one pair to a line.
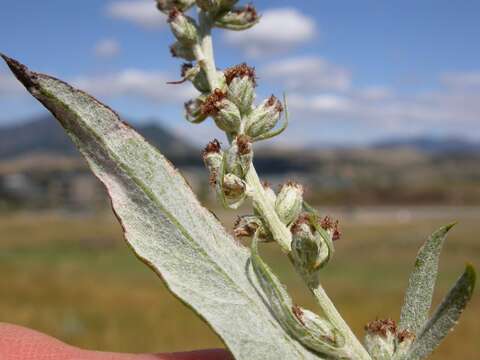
165,224
419,294
445,317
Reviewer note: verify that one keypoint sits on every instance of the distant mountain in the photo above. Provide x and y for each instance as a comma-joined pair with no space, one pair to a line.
45,135
431,145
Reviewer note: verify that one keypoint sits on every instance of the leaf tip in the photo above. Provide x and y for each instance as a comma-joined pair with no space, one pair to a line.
21,72
471,275
448,227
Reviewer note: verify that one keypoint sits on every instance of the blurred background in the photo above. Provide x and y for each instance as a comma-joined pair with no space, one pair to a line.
385,134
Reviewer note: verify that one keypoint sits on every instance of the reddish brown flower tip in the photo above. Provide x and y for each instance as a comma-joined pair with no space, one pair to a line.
297,311
273,101
326,223
240,71
336,232
185,68
173,14
382,327
241,228
172,51
249,10
405,335
210,106
244,144
212,147
303,218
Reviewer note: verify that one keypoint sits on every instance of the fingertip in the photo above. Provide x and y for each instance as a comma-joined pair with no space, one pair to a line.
17,342
210,354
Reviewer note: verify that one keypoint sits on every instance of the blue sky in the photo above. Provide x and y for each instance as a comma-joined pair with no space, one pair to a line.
354,71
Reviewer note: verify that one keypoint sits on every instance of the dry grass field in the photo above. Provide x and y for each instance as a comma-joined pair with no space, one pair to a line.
74,278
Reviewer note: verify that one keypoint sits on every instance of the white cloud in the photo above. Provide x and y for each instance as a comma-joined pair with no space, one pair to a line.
375,93
319,103
462,79
140,12
278,31
447,110
307,73
151,85
107,48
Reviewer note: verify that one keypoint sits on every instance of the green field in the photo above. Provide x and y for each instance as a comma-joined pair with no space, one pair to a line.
73,277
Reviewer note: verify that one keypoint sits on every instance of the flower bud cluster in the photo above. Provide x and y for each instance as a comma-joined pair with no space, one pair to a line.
383,340
232,104
229,168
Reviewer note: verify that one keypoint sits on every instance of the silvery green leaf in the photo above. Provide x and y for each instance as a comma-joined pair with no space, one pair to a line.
418,297
166,226
445,317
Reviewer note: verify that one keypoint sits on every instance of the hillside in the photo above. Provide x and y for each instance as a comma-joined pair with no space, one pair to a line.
44,135
40,167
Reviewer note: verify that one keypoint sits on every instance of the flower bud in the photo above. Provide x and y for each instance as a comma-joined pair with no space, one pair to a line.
240,18
245,152
264,117
241,92
248,225
331,227
210,105
215,6
320,325
239,156
183,27
197,76
177,49
233,187
288,204
212,155
380,339
166,6
270,194
309,250
404,342
213,158
228,117
241,82
193,110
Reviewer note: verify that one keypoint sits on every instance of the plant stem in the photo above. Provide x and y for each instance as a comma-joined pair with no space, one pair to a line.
204,50
279,231
331,312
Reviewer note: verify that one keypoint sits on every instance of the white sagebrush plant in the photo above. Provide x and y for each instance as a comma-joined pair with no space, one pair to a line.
225,283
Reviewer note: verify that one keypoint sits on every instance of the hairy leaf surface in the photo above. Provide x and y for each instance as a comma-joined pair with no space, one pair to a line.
445,317
418,298
165,224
